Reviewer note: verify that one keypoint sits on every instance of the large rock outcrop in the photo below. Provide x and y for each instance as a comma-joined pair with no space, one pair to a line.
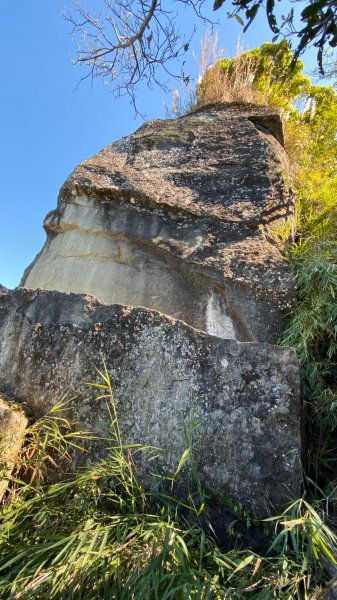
167,376
186,217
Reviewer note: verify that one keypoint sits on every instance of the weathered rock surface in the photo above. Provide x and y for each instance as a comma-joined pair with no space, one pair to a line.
331,592
3,289
167,376
184,216
12,432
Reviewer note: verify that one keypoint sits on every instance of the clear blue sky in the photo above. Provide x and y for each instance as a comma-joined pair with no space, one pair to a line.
48,127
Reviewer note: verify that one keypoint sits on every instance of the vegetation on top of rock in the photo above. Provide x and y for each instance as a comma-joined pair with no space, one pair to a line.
98,536
130,41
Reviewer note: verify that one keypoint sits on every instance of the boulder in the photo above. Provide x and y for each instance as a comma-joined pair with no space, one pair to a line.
13,423
185,216
239,402
164,259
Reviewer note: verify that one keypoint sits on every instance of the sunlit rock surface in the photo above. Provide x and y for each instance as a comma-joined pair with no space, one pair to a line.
164,256
184,216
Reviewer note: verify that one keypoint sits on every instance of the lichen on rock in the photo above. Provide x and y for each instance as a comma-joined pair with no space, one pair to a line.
184,216
245,396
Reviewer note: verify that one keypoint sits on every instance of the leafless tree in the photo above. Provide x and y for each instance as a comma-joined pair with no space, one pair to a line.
132,41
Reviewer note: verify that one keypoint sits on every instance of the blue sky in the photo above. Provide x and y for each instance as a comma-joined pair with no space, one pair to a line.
49,124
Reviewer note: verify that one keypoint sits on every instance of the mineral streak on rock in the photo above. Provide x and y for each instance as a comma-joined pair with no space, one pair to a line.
184,216
167,376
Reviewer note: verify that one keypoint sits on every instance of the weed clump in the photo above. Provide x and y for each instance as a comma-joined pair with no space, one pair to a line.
95,536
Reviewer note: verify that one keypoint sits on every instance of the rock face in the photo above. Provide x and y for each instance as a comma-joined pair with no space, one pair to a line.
167,376
12,431
184,216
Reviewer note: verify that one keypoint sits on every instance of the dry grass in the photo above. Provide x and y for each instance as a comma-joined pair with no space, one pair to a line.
217,84
233,84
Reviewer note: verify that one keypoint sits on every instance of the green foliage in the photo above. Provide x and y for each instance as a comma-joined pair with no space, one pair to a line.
318,17
279,83
96,537
313,329
304,535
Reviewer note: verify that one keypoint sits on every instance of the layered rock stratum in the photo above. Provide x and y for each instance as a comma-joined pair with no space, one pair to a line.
184,216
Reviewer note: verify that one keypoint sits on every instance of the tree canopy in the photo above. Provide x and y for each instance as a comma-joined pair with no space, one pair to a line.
318,21
131,41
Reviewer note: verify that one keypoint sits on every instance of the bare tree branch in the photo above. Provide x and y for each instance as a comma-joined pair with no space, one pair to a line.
132,41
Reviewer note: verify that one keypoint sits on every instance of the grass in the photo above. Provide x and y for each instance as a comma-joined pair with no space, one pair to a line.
47,445
216,84
234,84
100,535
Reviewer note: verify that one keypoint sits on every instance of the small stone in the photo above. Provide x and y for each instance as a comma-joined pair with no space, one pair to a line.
13,423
